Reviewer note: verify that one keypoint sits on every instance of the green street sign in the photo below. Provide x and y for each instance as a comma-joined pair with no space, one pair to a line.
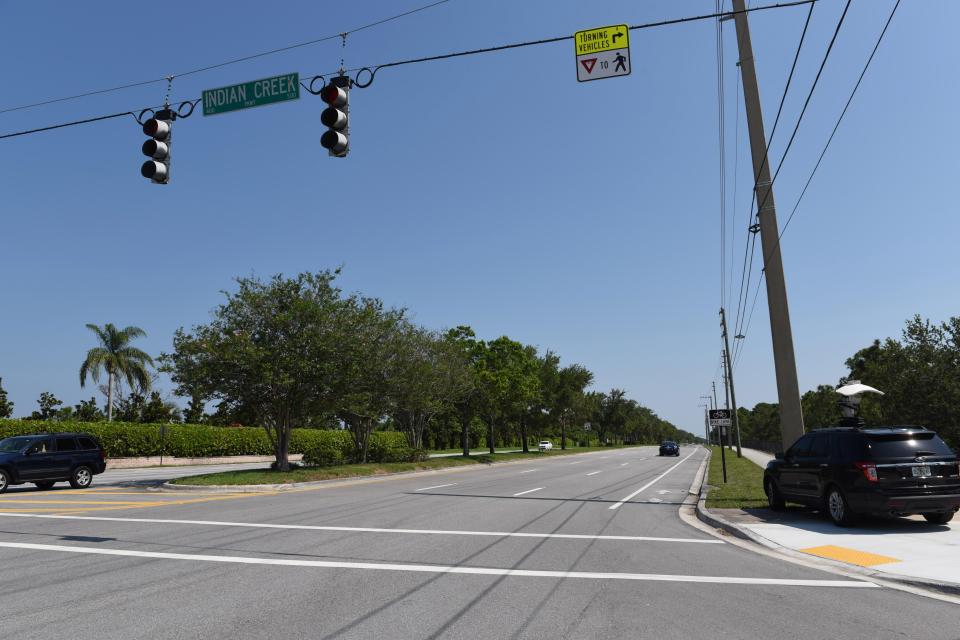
251,94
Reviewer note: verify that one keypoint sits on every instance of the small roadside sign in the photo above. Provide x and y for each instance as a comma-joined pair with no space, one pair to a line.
603,52
251,94
720,418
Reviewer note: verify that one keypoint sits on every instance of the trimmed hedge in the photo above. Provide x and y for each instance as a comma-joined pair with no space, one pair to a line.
336,447
127,440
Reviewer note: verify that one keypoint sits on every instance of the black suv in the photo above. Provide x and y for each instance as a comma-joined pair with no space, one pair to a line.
669,448
880,470
47,458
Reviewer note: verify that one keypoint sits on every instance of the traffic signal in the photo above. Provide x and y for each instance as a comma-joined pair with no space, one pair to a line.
336,116
157,148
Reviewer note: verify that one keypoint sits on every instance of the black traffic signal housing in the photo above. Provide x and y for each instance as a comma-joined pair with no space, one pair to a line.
336,117
157,147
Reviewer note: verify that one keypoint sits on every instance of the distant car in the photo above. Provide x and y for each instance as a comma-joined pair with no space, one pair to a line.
45,459
848,471
669,448
545,445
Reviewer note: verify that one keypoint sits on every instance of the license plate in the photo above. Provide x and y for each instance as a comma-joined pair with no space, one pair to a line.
921,472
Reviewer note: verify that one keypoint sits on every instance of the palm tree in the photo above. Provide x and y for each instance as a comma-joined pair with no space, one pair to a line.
118,359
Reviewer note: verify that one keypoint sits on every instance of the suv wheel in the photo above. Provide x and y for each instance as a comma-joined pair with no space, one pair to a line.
774,500
838,509
4,480
44,484
939,518
81,478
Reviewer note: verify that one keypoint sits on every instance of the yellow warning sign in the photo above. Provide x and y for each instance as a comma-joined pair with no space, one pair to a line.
602,39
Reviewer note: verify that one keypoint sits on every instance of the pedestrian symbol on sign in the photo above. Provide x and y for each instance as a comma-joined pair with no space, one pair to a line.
620,59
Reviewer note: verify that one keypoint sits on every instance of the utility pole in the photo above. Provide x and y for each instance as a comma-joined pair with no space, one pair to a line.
706,421
714,385
784,361
726,395
729,371
706,418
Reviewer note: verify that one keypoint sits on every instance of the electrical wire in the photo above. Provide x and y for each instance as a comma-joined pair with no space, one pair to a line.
746,293
750,245
223,64
822,154
661,23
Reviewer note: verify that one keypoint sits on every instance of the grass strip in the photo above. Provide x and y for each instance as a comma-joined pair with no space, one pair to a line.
744,486
311,474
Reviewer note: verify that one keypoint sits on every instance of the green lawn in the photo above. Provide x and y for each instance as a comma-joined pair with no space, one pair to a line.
309,474
744,487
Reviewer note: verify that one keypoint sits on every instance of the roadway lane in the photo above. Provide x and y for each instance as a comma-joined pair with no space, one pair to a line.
547,549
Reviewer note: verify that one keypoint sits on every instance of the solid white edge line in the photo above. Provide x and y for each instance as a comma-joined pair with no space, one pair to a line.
310,527
523,493
436,486
650,484
425,568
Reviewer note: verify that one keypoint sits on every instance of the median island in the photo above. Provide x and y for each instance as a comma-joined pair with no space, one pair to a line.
359,470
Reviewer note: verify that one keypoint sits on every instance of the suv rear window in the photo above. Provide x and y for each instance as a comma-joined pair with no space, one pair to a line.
902,445
86,443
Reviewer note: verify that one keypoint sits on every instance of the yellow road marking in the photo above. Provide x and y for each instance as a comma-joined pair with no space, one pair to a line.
852,556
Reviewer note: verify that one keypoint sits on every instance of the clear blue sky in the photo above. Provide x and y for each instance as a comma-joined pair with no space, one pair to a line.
492,190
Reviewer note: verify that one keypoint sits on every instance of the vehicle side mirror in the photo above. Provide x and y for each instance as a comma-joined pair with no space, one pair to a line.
778,455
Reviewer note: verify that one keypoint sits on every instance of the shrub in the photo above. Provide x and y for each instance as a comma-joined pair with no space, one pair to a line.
121,440
389,446
335,447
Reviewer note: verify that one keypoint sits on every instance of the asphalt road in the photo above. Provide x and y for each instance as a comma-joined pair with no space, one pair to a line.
586,546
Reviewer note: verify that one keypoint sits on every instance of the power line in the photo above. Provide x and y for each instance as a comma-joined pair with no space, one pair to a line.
486,50
746,293
824,150
223,64
751,237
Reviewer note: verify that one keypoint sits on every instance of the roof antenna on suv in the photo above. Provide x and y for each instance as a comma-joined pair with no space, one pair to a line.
852,392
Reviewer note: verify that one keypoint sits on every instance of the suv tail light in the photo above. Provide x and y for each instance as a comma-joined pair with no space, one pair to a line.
869,470
103,454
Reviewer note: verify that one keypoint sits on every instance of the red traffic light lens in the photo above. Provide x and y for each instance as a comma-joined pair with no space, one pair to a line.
333,96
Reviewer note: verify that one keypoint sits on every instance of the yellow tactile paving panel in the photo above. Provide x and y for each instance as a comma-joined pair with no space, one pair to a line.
851,556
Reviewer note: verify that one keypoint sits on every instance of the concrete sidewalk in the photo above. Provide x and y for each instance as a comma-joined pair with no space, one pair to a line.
903,549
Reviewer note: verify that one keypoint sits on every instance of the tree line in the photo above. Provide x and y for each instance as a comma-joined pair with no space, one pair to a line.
299,352
919,374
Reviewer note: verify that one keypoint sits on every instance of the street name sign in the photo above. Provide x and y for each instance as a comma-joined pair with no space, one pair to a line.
720,418
251,94
603,52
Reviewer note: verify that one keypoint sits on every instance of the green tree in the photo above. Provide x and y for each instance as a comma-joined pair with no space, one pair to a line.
49,407
275,349
464,345
508,380
6,405
88,411
118,359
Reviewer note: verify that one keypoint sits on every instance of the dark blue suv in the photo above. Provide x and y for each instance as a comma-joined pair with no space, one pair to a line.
878,470
47,458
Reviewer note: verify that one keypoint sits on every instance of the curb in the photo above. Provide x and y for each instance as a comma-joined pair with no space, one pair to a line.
273,488
719,522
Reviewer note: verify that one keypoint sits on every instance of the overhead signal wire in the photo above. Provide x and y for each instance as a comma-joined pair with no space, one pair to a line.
374,69
822,154
223,64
